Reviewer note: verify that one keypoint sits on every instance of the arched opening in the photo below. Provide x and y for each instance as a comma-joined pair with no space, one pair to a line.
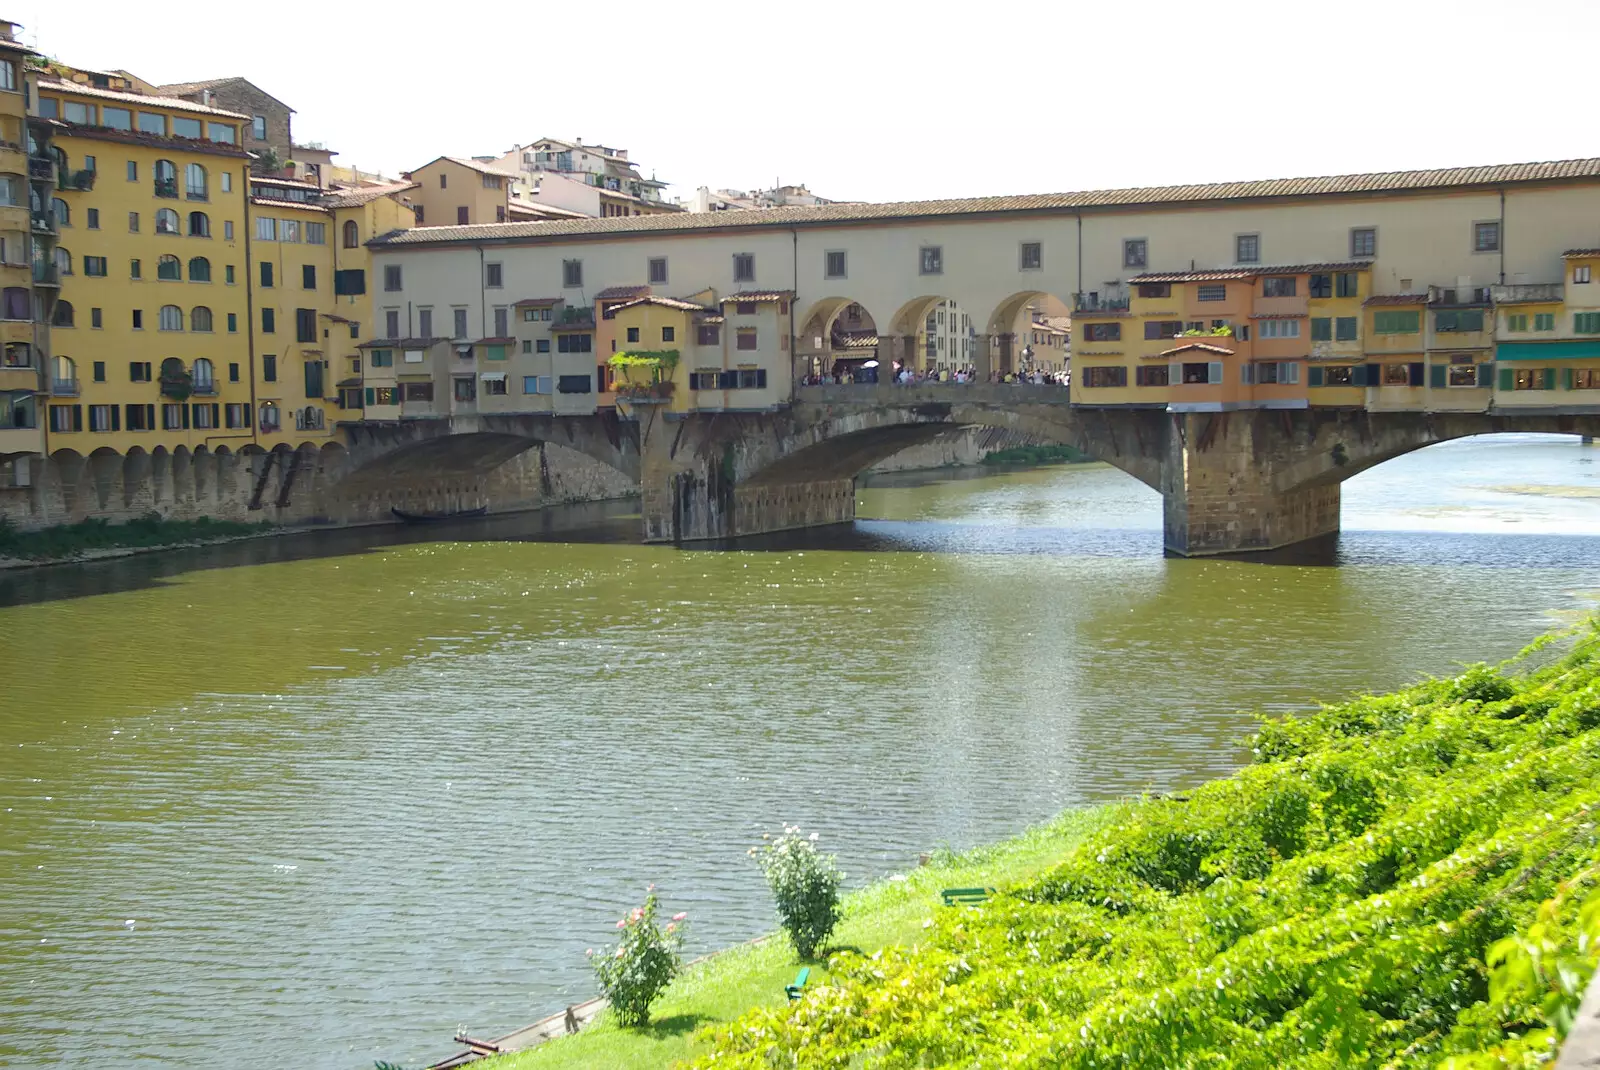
61,211
199,225
166,221
166,181
105,467
1031,335
63,316
199,270
933,336
352,234
169,268
200,318
837,343
195,182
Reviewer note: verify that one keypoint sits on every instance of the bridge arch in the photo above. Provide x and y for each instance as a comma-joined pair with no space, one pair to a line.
837,336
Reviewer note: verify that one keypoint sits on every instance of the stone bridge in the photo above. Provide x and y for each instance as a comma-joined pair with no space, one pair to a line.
1230,481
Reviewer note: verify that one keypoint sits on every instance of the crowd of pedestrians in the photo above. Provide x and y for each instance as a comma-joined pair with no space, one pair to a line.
845,376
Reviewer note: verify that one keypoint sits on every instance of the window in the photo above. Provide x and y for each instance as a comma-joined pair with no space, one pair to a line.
501,325
347,282
200,318
1032,256
1280,329
1152,375
1349,284
63,260
233,323
266,229
61,211
97,318
1103,332
16,304
633,334
171,318
269,321
64,418
1321,285
133,222
169,268
316,234
266,274
536,384
205,415
227,182
221,133
745,339
1586,378
1544,321
1211,293
141,417
744,267
424,322
1532,379
1344,329
931,260
74,112
166,178
460,324
1321,329
1154,329
669,334
492,276
1586,323
1098,377
1580,275
8,75
289,230
382,358
657,270
1486,237
313,378
308,276
1155,289
258,127
575,343
166,221
133,170
352,234
236,415
94,266
305,325
194,182
11,190
174,417
233,372
93,218
63,316
1278,286
203,376
1338,375
1456,321
1517,322
1247,248
495,385
199,269
1135,254
269,370
1406,322
571,274
708,334
138,319
99,371
575,384
1364,242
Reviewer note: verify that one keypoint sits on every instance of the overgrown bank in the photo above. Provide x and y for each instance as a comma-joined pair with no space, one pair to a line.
1399,880
1036,455
73,540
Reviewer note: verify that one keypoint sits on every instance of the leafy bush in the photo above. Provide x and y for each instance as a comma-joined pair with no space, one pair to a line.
805,885
1397,880
644,961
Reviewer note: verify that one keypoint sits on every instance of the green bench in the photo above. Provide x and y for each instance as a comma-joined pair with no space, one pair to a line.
965,897
796,990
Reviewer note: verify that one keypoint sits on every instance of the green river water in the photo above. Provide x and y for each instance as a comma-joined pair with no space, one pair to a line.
316,801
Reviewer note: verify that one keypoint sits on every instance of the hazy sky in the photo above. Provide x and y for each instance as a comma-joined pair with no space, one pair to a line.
891,101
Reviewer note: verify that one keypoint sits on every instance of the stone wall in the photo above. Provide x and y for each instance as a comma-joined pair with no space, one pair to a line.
969,446
290,488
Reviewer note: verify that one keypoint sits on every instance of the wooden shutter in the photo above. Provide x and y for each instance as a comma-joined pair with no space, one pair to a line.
1507,379
1214,372
1374,374
1414,373
116,417
1485,374
1438,376
1566,378
1549,377
1315,376
216,414
185,409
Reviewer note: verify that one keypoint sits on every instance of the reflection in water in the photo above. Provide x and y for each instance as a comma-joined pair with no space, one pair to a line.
353,800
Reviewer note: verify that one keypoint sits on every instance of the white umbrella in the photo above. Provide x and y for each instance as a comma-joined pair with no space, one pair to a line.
869,364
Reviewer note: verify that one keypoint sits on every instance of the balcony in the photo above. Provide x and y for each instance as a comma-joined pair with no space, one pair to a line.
41,169
1460,296
46,274
75,180
64,388
203,388
167,188
1527,294
43,222
14,440
1101,301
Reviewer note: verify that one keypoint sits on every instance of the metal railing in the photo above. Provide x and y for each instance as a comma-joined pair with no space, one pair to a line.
1100,302
43,222
1528,292
64,388
41,167
46,274
79,180
167,188
203,388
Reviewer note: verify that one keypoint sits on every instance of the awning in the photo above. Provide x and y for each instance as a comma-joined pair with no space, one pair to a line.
492,376
1581,348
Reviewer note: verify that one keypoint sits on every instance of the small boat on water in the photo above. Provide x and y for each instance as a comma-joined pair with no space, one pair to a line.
434,518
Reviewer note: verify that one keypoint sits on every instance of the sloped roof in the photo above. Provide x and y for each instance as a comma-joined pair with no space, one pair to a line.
1389,182
471,165
1229,274
135,99
1204,347
759,295
359,195
666,302
1396,299
179,89
611,293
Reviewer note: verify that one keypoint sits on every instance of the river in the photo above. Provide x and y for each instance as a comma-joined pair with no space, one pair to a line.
316,801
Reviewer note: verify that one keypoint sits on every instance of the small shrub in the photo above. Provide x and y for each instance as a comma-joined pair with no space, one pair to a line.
805,885
644,961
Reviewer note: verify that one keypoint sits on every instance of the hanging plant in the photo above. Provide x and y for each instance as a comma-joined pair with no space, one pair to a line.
177,384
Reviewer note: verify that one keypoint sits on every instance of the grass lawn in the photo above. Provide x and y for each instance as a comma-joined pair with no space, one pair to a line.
880,915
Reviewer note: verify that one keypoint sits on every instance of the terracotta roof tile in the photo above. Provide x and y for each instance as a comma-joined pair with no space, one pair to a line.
1204,347
359,195
665,302
1580,252
537,302
759,295
135,99
1222,274
1264,189
272,202
611,293
494,341
1396,299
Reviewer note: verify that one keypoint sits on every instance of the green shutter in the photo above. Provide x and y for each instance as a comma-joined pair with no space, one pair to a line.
1485,374
1314,378
1321,329
1506,382
1549,378
1471,320
370,396
1566,378
1438,376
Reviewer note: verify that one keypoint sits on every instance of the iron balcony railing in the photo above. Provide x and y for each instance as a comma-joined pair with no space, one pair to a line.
64,388
1100,302
46,274
43,222
41,167
79,180
203,388
167,187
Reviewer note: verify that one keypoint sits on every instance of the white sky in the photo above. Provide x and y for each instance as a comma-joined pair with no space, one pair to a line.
874,102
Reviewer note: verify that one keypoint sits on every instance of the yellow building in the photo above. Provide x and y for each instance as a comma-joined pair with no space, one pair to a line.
1547,339
27,178
456,192
149,335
